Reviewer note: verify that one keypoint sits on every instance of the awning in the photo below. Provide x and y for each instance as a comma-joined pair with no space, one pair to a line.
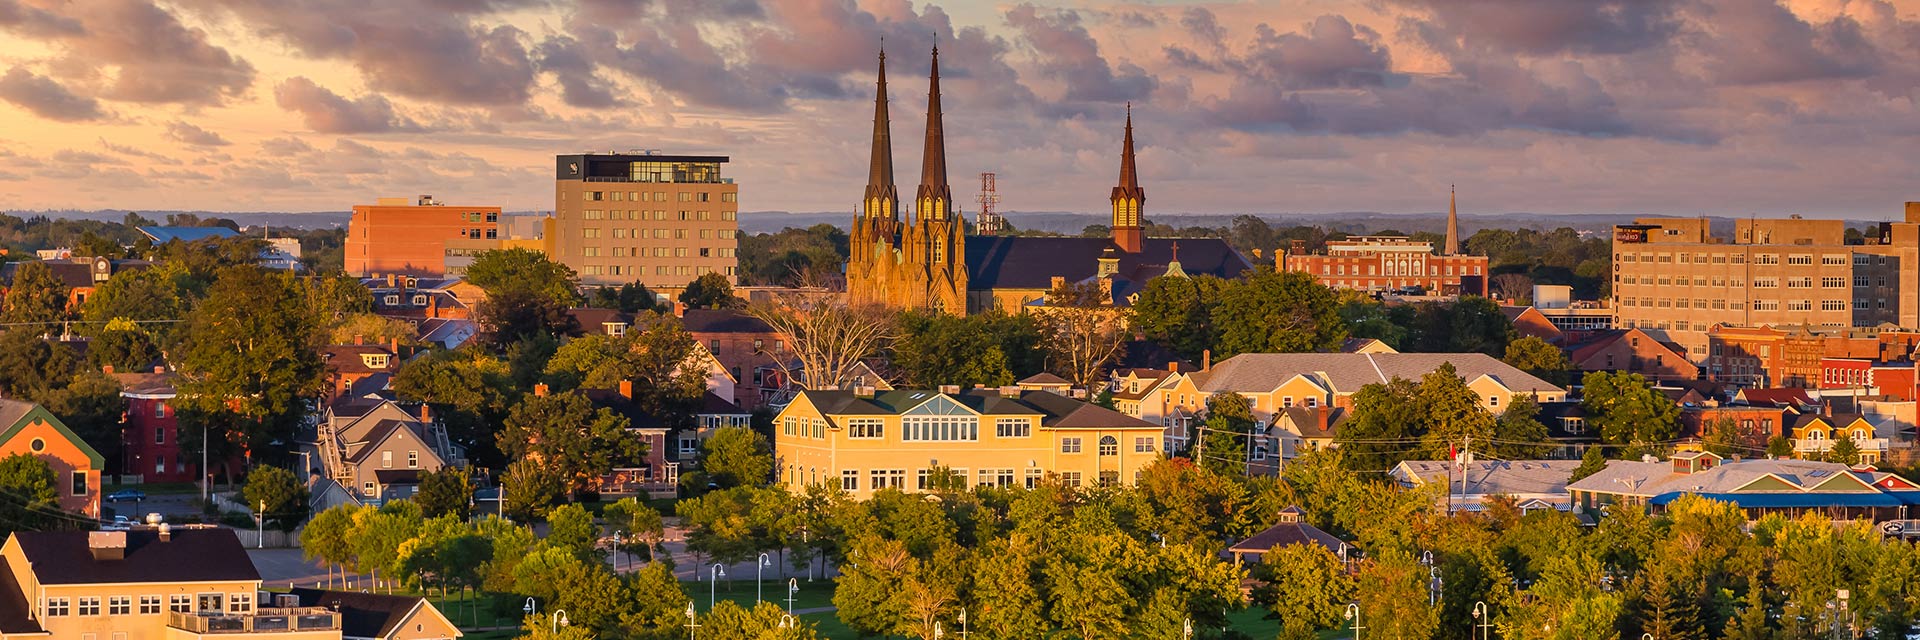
1794,500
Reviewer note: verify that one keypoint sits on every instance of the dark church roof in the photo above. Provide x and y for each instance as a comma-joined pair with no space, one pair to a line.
1017,262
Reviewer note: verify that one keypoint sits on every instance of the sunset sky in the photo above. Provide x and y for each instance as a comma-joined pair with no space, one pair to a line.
1725,107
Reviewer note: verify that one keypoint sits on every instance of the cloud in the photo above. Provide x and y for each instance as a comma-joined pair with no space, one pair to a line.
1331,53
327,112
37,22
1760,42
1539,27
579,86
1066,51
188,133
47,98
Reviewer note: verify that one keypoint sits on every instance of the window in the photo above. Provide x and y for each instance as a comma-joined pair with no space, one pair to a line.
149,605
1493,401
159,435
1012,428
1799,259
888,478
1033,478
689,443
386,459
159,410
787,423
1109,446
1070,479
1109,478
850,479
89,605
413,459
1260,452
240,603
1833,305
1143,445
940,428
119,605
58,607
867,428
1069,445
79,483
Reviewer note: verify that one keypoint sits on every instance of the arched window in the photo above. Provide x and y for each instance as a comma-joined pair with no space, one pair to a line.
1109,446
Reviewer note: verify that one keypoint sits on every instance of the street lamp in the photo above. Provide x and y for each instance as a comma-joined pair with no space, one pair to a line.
963,622
759,591
1186,629
560,620
690,625
531,608
1353,613
787,622
713,584
937,633
793,587
1482,620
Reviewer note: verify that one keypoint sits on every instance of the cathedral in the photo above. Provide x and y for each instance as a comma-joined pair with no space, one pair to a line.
930,262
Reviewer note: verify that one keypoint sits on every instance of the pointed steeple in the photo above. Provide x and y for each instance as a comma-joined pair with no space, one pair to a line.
934,195
1453,226
882,200
1128,198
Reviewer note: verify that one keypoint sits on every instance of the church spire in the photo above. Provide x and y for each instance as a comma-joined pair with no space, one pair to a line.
934,197
881,198
1453,226
1128,197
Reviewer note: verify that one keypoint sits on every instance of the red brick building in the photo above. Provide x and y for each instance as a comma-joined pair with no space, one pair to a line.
1391,263
1633,351
1892,379
745,346
151,429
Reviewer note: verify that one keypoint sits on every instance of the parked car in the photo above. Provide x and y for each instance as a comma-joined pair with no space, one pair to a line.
119,523
127,495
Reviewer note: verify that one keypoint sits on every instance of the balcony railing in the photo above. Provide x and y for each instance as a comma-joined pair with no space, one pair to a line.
266,620
1869,444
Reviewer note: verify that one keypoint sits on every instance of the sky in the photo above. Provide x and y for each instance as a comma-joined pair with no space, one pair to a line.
1711,107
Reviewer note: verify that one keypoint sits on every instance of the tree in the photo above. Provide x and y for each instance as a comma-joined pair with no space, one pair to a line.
447,492
1085,331
1471,324
567,434
1453,413
641,526
1513,286
371,328
1591,462
283,497
766,621
1392,590
470,392
631,297
1518,426
1627,410
939,349
1844,451
570,527
1385,419
527,293
35,297
248,361
515,316
125,349
1305,585
1368,318
530,489
737,456
32,502
1538,358
827,339
1229,425
137,295
90,404
1006,587
710,291
1178,312
326,538
1273,312
1779,447
32,367
657,357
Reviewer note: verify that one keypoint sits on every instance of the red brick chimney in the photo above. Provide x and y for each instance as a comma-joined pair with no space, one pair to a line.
106,369
159,368
540,389
426,413
626,389
1173,367
433,306
393,345
359,340
1206,360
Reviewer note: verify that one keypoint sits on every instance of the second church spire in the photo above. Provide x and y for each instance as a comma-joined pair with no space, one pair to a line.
934,198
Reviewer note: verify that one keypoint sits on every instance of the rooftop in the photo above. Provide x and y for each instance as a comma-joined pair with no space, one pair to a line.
189,555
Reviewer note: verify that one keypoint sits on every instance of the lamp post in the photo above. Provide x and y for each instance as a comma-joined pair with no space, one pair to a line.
560,620
759,588
531,608
260,521
620,544
690,625
793,587
963,623
1186,629
713,584
1482,620
1353,613
937,633
787,621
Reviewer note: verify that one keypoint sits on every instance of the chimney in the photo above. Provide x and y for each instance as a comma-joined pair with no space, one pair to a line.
626,389
863,392
540,390
107,545
1058,282
679,309
359,340
166,532
1173,367
426,413
393,345
1206,360
390,281
106,369
950,388
159,368
433,306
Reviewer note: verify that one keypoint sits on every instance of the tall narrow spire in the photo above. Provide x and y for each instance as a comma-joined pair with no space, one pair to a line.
934,192
881,198
1453,225
1128,198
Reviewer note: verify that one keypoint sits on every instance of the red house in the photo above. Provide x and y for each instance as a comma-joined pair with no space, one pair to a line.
1892,379
151,430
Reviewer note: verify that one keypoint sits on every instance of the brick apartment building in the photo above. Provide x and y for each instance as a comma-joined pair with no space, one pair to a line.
657,219
1674,279
1389,263
419,238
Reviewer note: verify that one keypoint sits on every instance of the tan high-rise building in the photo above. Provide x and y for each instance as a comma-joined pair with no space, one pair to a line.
660,220
1675,280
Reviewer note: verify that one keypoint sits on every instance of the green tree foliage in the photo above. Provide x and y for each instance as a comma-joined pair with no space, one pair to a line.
730,526
737,456
1229,425
372,329
570,436
470,392
138,295
1272,312
248,360
527,294
641,529
283,497
631,297
90,405
1540,358
1470,325
1591,462
1569,602
1627,410
447,492
993,348
1369,318
657,356
1844,451
31,502
710,291
571,527
1560,256
530,489
1518,426
1779,447
730,621
792,257
1453,414
1305,585
35,298
31,367
1179,313
125,350
326,538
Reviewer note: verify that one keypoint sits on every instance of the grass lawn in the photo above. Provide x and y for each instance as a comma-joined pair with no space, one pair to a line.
818,593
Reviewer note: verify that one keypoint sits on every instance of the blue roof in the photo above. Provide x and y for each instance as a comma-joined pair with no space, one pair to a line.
186,234
1795,500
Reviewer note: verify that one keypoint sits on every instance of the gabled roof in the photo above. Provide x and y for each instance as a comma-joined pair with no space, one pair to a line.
1285,534
1044,378
192,555
15,615
722,321
380,432
1778,397
1640,478
1315,422
1055,410
16,415
1492,477
595,320
1347,372
367,615
146,384
1026,262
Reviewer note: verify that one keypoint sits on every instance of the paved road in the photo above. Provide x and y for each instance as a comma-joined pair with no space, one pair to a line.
172,506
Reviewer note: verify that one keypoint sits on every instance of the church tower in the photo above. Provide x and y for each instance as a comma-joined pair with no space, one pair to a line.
1128,198
1452,248
872,267
939,241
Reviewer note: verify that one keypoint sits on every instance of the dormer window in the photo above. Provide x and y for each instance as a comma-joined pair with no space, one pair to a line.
391,300
374,360
616,329
419,300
